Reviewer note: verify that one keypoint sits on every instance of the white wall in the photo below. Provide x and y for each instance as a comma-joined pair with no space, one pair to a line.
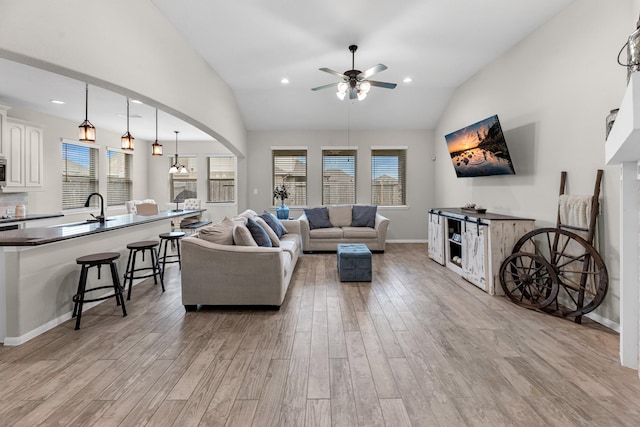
551,92
127,47
407,223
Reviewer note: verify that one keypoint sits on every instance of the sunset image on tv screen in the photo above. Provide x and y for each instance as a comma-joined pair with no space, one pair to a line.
480,150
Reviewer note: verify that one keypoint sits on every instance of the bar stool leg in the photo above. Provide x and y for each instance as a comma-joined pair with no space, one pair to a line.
130,273
126,271
164,256
80,297
179,255
156,265
115,277
153,265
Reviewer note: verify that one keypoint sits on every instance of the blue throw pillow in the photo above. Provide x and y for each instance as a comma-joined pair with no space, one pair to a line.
259,235
318,218
274,223
363,215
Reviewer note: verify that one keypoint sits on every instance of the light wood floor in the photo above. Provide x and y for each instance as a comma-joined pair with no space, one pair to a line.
417,346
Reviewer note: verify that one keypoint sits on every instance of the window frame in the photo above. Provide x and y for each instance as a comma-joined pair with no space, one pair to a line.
299,187
127,180
401,154
349,152
188,161
234,165
93,181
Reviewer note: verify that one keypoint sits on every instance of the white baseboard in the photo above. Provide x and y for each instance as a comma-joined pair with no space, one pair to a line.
13,341
408,241
603,321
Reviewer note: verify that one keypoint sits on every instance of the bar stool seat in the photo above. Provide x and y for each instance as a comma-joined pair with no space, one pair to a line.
130,273
97,260
174,237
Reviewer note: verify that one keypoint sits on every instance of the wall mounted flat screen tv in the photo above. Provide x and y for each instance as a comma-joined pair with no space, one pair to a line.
480,150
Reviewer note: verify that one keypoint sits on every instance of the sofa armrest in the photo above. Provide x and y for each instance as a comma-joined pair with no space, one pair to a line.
291,225
304,231
381,226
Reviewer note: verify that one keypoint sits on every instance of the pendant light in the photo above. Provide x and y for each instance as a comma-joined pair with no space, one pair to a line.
127,139
156,149
176,167
87,130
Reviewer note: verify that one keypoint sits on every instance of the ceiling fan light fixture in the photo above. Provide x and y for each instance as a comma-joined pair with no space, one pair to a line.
341,95
365,86
342,87
361,95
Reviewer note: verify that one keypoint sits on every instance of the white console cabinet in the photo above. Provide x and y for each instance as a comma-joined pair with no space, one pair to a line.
22,145
474,244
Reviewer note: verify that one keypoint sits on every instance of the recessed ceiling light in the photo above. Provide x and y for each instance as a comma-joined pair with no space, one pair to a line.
135,101
407,80
56,101
284,81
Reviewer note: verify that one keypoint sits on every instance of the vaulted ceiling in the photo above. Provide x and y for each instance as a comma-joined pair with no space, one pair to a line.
254,44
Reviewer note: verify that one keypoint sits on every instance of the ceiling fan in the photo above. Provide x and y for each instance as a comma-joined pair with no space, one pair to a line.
355,81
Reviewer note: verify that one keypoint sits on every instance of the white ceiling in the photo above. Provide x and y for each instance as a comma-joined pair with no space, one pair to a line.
253,44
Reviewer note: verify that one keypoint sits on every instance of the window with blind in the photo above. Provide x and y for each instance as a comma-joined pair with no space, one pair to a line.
119,183
222,180
290,168
79,175
388,177
184,185
338,177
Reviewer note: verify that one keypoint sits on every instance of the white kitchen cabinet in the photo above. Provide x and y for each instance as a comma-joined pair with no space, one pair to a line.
3,128
475,244
23,149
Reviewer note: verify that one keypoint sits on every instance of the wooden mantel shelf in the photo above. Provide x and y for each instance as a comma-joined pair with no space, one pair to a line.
623,143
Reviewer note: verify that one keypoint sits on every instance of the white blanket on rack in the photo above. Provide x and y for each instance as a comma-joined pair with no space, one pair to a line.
575,211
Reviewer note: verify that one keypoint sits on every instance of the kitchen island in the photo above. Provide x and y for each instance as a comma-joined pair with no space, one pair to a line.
39,275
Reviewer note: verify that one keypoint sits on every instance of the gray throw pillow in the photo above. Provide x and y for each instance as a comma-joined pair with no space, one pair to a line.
364,215
259,235
220,233
274,223
318,218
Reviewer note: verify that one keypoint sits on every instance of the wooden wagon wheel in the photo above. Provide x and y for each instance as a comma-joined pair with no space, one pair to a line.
582,275
528,280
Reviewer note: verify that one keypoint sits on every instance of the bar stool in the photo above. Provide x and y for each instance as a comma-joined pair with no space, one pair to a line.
134,248
174,237
97,260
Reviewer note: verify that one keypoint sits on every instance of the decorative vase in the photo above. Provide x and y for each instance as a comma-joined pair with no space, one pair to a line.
282,212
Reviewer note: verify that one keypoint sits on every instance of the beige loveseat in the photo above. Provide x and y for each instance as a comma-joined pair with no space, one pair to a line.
232,274
343,229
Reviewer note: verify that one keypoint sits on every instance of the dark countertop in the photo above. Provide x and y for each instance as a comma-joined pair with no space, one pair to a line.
43,235
29,217
461,213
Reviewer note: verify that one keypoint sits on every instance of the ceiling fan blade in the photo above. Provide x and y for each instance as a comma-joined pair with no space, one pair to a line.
326,86
371,71
335,73
382,84
353,93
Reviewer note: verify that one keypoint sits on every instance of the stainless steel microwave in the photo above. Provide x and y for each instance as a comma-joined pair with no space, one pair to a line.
3,171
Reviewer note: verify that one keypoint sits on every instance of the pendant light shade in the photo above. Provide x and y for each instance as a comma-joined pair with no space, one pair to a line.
156,148
87,130
126,142
176,167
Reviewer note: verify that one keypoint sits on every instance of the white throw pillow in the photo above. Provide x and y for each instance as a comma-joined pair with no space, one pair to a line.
275,242
242,236
340,215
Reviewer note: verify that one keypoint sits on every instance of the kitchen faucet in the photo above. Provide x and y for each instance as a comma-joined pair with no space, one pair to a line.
101,216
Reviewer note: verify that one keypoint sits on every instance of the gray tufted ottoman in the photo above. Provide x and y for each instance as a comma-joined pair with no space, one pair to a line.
354,262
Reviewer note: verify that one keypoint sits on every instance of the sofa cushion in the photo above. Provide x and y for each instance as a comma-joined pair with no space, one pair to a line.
359,233
364,215
242,235
259,234
289,245
275,241
220,233
318,218
340,215
274,223
326,233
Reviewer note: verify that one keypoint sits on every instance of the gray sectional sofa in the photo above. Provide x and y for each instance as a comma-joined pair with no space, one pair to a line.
345,224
